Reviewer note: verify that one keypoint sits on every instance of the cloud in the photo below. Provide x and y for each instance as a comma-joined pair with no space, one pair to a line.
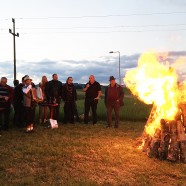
80,70
177,53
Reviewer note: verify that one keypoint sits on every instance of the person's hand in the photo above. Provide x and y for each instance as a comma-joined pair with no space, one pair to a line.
97,98
35,99
87,86
29,86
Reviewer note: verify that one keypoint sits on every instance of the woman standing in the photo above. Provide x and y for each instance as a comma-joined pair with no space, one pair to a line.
29,103
43,109
69,97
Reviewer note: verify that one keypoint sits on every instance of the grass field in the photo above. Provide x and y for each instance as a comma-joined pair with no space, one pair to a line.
79,154
83,155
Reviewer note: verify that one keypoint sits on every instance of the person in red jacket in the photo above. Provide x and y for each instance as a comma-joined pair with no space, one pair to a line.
113,100
6,94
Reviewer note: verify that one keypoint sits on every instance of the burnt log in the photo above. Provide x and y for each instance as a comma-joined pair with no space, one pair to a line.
182,108
183,152
152,150
147,138
173,152
168,142
181,131
165,139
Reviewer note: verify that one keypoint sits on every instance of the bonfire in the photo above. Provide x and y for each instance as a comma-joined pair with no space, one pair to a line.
155,82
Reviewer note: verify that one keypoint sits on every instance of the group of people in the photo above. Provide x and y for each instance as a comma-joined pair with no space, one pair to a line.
48,95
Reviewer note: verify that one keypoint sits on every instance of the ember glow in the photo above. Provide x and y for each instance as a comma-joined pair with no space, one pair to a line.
155,82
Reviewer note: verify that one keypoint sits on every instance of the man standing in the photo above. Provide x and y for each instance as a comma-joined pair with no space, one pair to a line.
18,104
69,97
92,94
113,100
6,94
53,92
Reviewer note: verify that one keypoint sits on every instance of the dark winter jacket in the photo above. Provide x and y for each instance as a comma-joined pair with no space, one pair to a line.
69,93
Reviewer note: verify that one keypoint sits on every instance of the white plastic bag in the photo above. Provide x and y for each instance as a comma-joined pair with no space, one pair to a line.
53,123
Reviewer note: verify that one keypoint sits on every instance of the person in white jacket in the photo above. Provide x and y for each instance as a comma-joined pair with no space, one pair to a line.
29,103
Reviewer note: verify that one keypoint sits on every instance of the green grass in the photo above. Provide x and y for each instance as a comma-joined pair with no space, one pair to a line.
87,155
82,155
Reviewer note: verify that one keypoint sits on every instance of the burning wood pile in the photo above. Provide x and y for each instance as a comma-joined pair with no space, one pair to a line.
168,142
156,81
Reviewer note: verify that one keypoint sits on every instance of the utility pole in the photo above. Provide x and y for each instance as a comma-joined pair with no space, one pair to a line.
14,45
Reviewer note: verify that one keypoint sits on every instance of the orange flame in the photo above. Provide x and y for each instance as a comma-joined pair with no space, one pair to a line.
155,83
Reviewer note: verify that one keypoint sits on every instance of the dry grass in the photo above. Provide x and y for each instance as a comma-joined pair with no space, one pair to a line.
83,155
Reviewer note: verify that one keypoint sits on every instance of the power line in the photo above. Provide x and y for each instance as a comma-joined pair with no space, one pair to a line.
5,19
105,27
103,32
99,27
95,27
108,32
97,16
104,16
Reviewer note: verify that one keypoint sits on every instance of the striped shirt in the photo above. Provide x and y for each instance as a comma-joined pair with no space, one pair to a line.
8,92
